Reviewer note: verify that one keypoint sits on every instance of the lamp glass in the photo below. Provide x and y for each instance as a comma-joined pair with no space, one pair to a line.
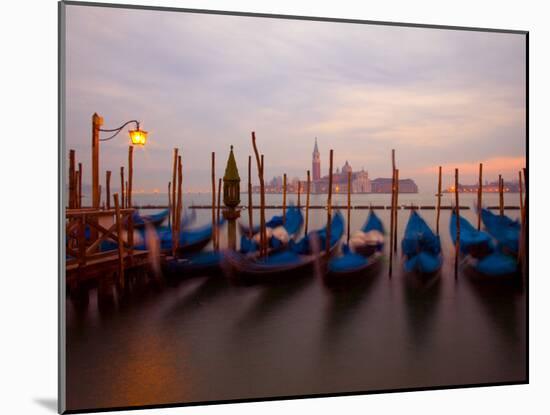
138,137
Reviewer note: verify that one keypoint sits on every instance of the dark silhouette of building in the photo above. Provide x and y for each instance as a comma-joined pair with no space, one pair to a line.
383,185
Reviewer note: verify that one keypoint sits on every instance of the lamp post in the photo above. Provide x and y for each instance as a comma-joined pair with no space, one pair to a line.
231,199
137,137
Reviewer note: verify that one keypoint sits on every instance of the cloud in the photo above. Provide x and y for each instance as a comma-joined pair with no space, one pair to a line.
509,167
203,82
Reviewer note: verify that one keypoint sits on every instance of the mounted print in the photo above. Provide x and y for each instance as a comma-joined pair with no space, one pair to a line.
259,207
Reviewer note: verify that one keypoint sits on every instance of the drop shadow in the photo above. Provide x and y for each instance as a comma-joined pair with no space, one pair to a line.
49,403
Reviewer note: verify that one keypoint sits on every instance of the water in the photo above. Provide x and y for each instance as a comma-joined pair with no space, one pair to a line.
204,339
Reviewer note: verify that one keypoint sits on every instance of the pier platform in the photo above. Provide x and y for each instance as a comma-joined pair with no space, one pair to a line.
104,263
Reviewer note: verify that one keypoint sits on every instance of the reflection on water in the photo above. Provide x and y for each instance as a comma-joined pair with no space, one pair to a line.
205,339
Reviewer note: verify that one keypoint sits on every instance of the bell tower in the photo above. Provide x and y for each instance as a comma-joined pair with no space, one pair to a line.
316,163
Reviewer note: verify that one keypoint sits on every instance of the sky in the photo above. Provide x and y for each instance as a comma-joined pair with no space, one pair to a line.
204,82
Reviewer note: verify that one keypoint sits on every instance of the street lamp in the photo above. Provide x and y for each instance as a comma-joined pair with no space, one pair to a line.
137,137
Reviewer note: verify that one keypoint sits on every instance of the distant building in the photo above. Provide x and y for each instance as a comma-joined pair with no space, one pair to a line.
360,181
316,163
383,185
488,187
277,181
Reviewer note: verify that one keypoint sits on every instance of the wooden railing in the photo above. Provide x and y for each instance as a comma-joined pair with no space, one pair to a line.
81,249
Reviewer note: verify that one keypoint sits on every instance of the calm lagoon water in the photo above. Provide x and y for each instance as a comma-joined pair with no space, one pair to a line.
203,339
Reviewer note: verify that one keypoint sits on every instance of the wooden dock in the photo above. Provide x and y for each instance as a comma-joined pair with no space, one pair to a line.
104,264
86,230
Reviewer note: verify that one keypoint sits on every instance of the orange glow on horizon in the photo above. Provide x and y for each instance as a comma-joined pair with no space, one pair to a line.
492,166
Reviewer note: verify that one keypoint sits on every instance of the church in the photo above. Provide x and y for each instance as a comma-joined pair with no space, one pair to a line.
360,182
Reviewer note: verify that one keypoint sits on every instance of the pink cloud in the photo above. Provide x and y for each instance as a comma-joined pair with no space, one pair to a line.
507,166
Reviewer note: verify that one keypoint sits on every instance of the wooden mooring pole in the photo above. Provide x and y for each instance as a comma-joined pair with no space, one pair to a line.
263,229
501,194
438,212
108,188
120,241
79,186
262,195
218,233
308,190
524,225
97,122
479,196
213,178
284,198
392,222
130,175
526,189
122,194
522,219
299,193
394,210
520,195
72,181
170,205
173,212
329,202
349,206
250,206
179,206
396,207
130,237
457,241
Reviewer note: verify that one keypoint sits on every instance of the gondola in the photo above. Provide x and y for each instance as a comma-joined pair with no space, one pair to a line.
421,247
158,218
360,257
481,261
293,222
476,243
278,233
196,264
494,267
190,240
505,230
351,268
370,239
155,219
298,259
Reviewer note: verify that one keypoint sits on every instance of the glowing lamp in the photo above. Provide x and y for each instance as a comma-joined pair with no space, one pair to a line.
138,137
